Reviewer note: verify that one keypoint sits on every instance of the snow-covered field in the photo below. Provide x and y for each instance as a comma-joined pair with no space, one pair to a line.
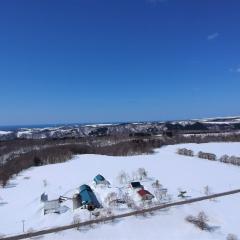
21,200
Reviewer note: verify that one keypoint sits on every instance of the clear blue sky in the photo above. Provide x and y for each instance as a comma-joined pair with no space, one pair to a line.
118,60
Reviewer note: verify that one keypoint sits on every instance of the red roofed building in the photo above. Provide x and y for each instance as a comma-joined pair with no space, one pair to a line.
145,195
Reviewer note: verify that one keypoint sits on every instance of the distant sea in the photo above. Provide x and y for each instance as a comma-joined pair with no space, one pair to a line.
16,127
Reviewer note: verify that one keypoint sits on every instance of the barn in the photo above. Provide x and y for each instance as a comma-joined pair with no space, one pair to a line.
88,198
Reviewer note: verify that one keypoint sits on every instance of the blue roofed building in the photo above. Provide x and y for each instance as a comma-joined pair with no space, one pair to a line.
88,198
99,179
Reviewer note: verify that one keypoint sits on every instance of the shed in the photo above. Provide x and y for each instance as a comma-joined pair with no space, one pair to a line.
52,206
145,195
88,198
76,201
44,197
136,185
99,179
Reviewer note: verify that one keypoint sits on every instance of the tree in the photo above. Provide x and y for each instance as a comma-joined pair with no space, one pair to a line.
142,173
207,190
232,237
224,158
157,184
199,221
202,218
111,199
160,194
37,161
129,201
45,183
122,177
76,220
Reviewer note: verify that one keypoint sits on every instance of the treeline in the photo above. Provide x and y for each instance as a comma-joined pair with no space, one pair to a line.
64,152
17,155
205,138
10,150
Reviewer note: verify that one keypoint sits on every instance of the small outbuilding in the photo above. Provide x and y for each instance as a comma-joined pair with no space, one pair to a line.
136,185
76,200
44,197
52,206
99,179
145,195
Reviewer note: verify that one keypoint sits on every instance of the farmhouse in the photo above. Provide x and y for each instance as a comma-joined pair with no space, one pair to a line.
88,198
209,156
145,195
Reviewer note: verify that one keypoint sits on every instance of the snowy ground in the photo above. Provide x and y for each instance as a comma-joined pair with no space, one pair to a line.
166,225
21,200
4,132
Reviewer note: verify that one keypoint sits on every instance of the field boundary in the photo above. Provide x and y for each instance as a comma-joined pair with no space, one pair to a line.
112,218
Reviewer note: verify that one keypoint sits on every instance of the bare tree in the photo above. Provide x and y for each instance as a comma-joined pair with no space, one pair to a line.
232,237
106,212
142,173
122,177
76,220
207,190
45,183
111,198
135,176
129,201
160,194
157,184
224,158
199,221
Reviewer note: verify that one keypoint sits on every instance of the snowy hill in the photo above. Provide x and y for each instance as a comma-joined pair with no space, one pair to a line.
20,200
141,128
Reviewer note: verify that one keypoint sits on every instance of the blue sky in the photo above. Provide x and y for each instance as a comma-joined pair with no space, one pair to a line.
118,60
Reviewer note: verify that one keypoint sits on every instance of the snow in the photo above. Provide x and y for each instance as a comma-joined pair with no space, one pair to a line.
24,132
211,134
219,117
224,122
21,199
184,123
5,132
101,125
167,225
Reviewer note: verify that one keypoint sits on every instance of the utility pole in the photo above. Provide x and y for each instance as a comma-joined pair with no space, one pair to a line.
23,225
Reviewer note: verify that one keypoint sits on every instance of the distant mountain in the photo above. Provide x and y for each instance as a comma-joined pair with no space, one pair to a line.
227,124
